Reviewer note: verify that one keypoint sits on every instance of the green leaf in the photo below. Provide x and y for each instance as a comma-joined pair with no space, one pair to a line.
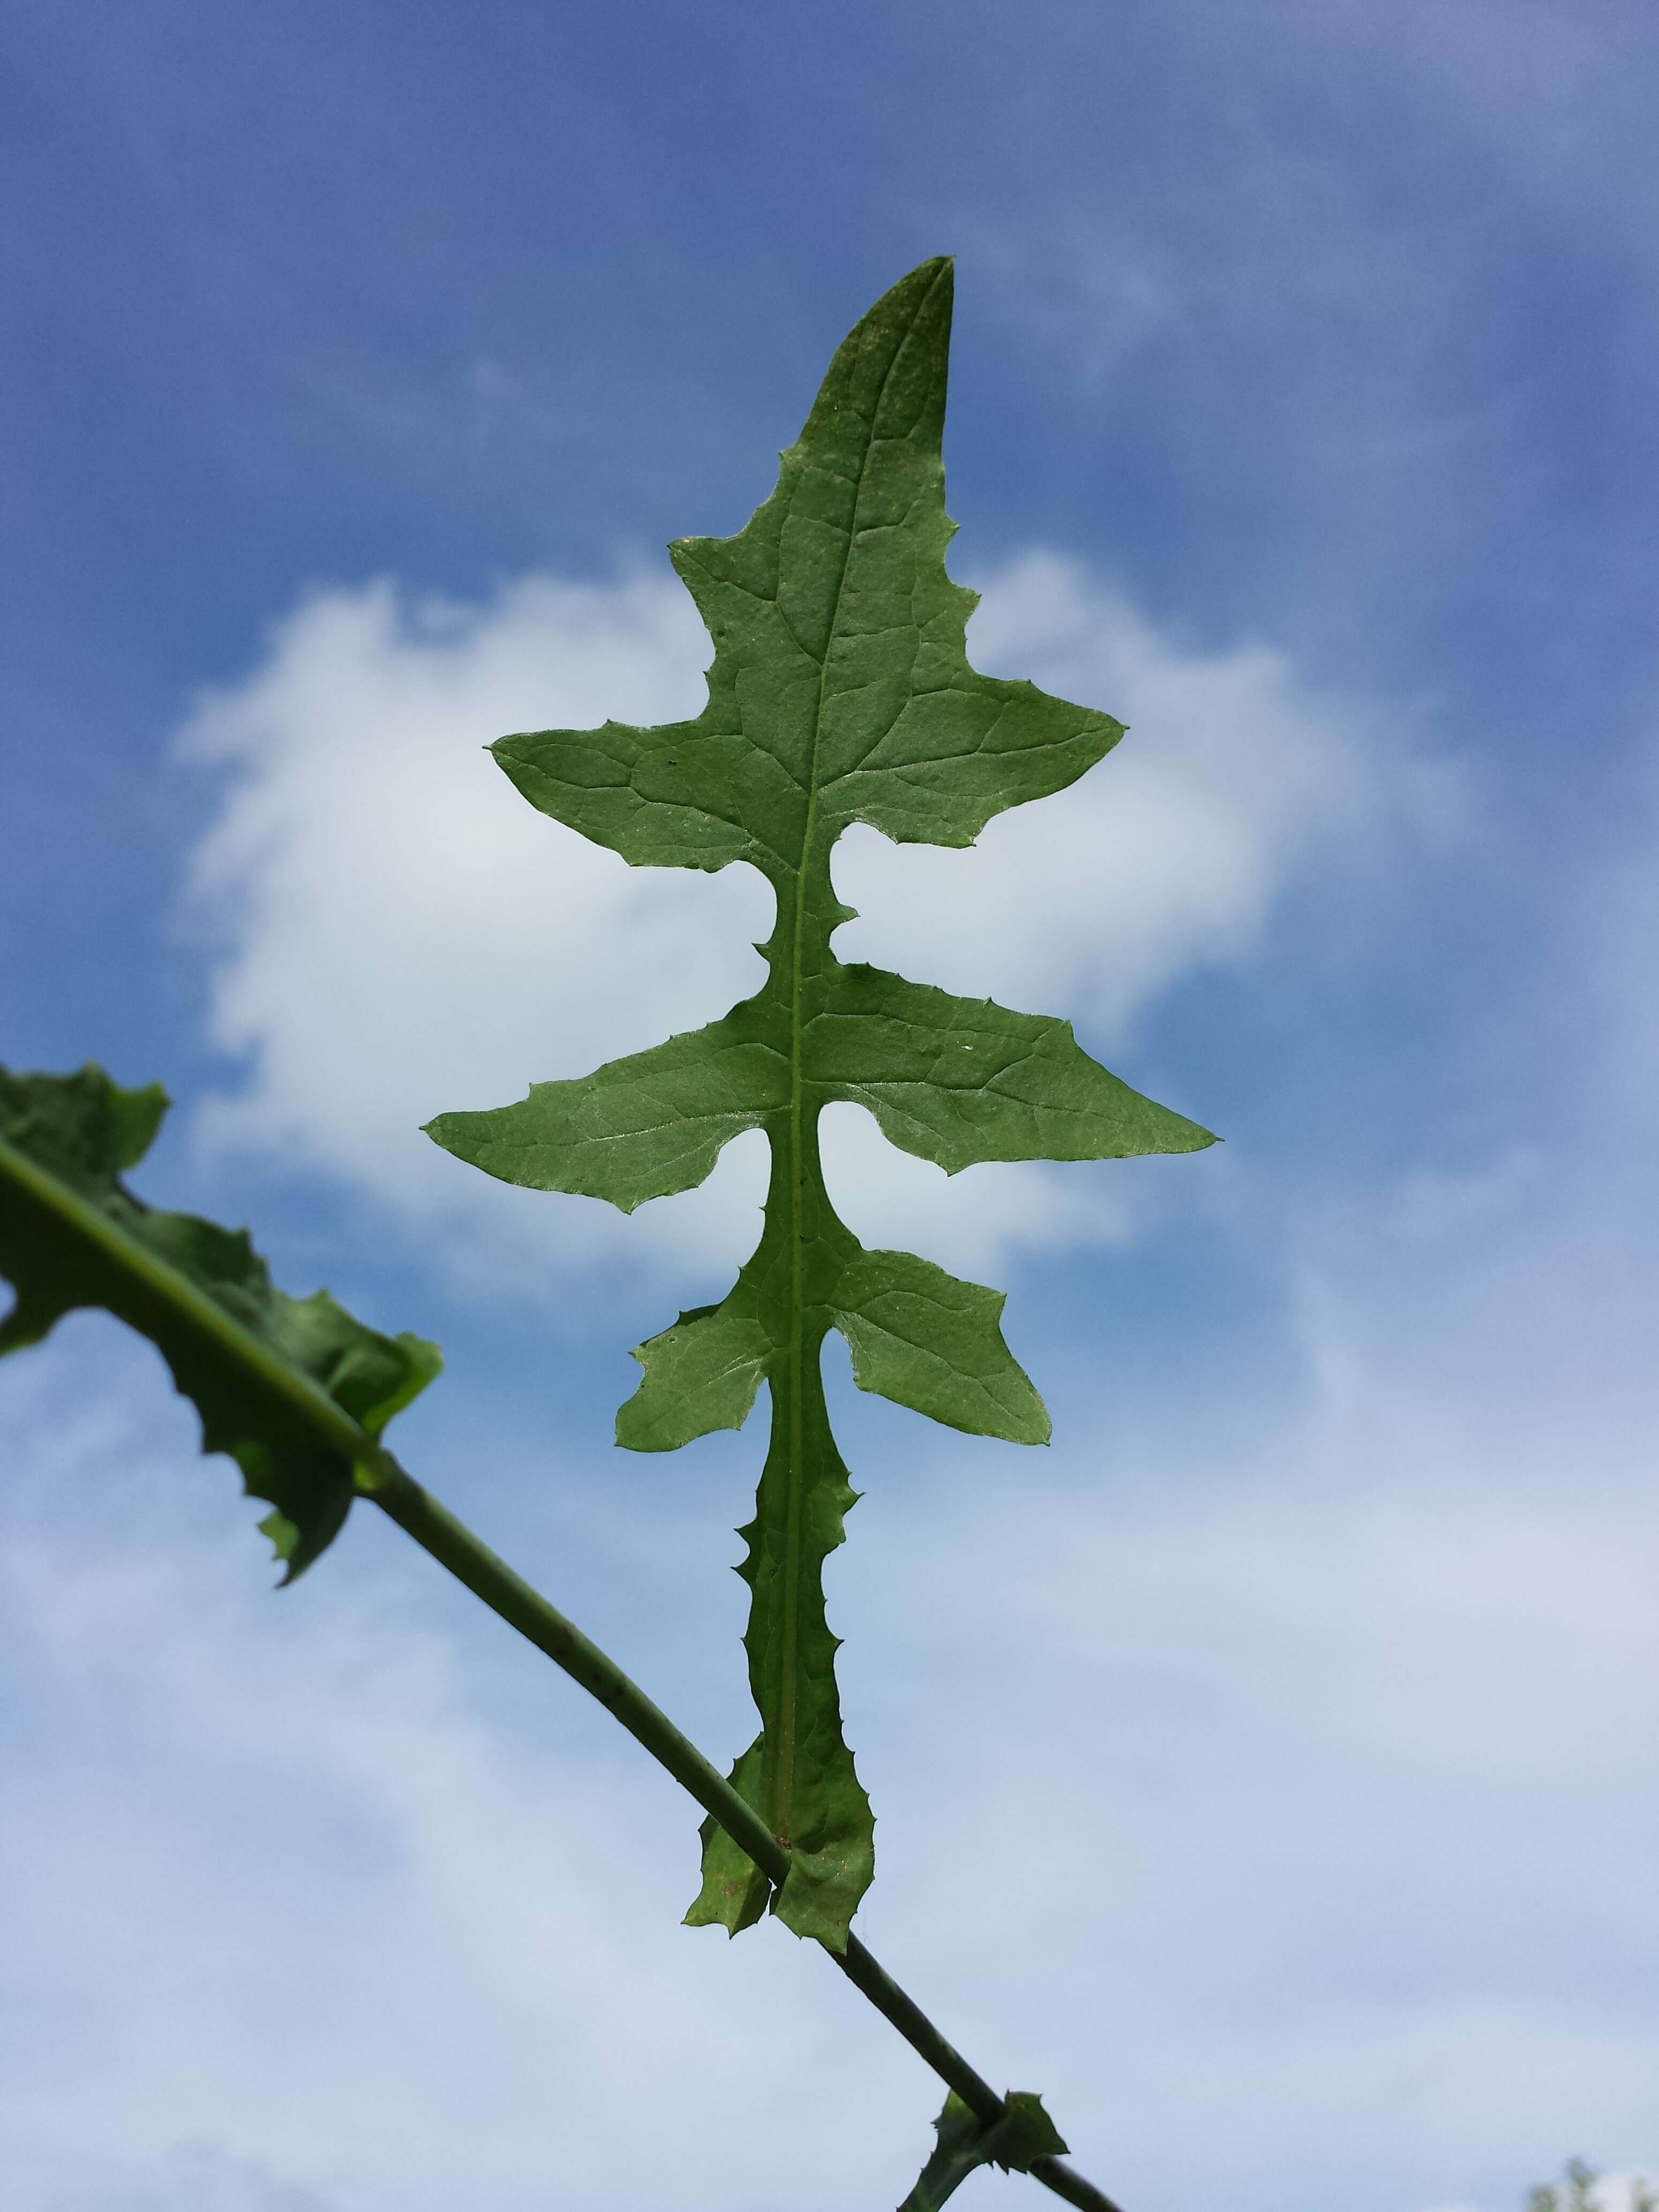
703,1373
1023,2135
840,692
637,1128
921,1338
734,1891
960,1080
293,1389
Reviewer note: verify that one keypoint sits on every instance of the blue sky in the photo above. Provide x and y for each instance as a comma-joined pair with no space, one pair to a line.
1265,1773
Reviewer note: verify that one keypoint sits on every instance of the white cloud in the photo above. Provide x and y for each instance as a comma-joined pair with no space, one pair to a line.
400,934
1170,858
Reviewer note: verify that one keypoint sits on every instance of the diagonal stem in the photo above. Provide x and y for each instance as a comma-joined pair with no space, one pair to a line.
453,1544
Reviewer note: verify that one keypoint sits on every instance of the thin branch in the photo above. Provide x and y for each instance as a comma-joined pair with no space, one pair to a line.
453,1544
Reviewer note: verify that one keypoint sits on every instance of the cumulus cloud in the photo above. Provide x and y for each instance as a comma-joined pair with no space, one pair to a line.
399,934
1168,858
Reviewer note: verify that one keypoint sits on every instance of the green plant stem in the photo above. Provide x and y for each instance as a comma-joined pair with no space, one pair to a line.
453,1544
160,1291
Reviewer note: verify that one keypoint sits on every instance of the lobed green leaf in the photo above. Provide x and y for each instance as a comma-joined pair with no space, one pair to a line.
840,692
295,1389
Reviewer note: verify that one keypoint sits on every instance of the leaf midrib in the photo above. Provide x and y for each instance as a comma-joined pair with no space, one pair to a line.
785,1769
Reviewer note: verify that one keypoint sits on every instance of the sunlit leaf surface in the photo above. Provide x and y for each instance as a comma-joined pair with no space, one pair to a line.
269,1375
840,692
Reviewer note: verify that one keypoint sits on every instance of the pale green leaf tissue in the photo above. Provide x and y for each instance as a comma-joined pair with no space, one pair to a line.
251,1359
839,693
